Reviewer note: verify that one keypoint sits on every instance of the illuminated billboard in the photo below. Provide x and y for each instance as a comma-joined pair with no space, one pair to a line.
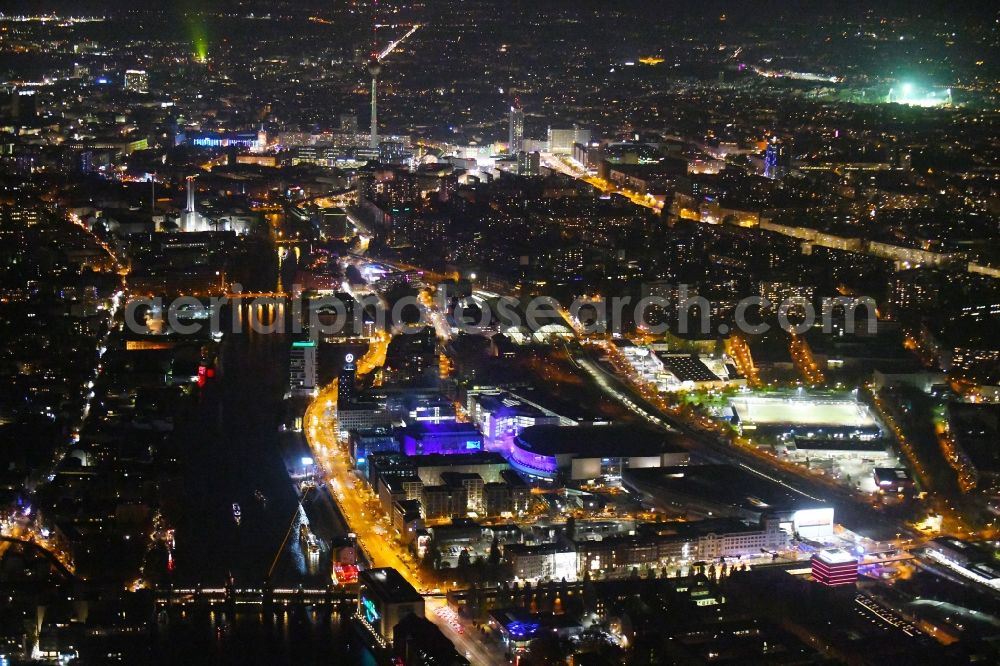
369,611
344,574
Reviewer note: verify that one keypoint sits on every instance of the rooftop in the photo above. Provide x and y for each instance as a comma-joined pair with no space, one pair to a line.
507,404
538,548
836,556
688,368
389,585
720,485
422,429
839,444
617,440
455,460
891,474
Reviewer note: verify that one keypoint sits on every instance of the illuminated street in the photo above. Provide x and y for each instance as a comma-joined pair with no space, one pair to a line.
320,428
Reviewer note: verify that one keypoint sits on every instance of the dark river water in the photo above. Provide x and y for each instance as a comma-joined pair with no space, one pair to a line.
235,450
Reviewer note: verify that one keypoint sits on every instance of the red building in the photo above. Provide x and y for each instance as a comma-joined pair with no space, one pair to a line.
834,567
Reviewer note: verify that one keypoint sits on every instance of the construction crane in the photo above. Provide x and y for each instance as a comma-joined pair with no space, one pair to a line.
375,68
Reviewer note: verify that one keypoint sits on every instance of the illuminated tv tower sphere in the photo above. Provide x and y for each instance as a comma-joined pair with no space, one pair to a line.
374,67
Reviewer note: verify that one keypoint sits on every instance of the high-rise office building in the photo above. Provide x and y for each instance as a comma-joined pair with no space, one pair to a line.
561,141
777,158
516,129
349,123
347,389
529,164
302,366
137,80
394,152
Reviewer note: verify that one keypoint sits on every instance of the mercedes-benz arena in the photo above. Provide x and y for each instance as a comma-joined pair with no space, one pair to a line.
579,453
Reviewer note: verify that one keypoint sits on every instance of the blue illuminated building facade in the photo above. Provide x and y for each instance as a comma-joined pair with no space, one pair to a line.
545,453
446,437
777,158
363,443
537,465
248,140
517,628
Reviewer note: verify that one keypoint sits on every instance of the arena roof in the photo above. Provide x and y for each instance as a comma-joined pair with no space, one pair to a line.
596,441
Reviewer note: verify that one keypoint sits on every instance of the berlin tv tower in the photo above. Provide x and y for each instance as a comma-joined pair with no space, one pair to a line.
375,68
